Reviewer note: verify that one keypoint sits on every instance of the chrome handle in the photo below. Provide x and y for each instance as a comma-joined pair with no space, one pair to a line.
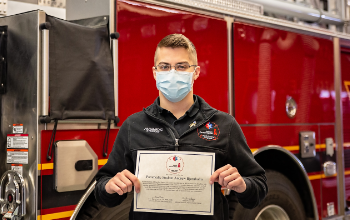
45,68
115,67
114,37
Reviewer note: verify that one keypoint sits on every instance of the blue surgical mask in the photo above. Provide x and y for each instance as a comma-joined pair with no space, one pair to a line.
173,84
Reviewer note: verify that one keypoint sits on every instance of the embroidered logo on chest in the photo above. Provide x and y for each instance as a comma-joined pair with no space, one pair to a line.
210,131
153,130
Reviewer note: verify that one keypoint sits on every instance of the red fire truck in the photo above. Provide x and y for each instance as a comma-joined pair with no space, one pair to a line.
287,85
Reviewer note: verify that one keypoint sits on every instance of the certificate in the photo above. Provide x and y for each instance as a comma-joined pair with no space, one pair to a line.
175,182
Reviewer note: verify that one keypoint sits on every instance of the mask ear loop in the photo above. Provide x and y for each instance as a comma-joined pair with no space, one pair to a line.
192,77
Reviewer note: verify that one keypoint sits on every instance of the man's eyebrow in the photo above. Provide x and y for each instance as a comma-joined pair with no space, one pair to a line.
183,62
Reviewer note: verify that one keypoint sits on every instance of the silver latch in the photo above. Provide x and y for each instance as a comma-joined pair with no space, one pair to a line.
13,203
329,168
307,144
329,147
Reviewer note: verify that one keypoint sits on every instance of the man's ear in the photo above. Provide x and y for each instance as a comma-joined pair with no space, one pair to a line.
154,73
196,73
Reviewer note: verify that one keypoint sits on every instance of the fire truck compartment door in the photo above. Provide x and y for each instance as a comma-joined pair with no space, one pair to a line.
76,165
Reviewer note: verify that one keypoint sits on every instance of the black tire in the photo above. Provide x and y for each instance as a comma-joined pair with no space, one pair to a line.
94,210
281,193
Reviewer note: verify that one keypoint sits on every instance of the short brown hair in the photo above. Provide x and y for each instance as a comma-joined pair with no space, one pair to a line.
177,41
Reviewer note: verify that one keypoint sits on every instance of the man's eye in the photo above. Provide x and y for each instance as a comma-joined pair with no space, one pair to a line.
163,67
181,67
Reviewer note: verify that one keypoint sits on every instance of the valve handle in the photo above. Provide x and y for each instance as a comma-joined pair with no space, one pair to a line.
19,190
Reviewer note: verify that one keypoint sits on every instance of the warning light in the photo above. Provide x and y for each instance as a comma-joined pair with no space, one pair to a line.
10,198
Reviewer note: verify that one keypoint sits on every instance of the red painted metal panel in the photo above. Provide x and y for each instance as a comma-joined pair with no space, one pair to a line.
141,27
95,139
58,209
286,136
271,65
347,187
345,95
345,69
316,185
329,194
260,136
328,185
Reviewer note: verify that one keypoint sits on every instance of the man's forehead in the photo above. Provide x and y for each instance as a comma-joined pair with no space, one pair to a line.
166,53
179,50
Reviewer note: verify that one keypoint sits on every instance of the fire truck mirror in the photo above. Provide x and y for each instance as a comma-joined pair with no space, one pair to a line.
74,158
307,144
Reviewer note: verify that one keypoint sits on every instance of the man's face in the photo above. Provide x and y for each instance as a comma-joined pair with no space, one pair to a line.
173,56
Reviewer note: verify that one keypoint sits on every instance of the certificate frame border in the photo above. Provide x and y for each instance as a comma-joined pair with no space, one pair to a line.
139,152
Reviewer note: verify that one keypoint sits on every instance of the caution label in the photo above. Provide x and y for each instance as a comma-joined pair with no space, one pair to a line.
17,156
17,141
17,129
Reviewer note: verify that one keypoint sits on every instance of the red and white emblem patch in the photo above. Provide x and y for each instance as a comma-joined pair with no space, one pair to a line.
210,131
175,164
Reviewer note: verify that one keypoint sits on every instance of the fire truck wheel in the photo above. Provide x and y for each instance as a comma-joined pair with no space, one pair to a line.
93,210
281,202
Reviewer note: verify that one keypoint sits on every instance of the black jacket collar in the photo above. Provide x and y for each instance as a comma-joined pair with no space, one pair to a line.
205,109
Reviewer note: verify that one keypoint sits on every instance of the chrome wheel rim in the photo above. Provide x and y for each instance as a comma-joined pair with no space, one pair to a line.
272,212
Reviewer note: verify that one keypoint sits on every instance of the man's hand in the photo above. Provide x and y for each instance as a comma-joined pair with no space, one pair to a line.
228,176
122,183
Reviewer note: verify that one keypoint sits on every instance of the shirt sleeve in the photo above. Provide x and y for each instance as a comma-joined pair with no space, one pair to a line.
119,159
241,157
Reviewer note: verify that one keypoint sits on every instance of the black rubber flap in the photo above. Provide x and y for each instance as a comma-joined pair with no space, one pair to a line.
81,71
94,22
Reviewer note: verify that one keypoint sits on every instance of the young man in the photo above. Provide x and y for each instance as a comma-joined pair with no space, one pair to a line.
178,114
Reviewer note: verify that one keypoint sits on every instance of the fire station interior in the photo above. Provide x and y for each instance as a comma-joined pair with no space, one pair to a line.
73,71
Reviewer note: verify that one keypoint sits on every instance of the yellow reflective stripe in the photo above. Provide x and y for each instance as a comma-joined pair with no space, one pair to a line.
296,147
290,148
320,176
49,166
102,161
315,177
56,215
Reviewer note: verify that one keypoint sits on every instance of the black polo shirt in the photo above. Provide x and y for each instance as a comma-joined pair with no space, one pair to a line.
184,122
